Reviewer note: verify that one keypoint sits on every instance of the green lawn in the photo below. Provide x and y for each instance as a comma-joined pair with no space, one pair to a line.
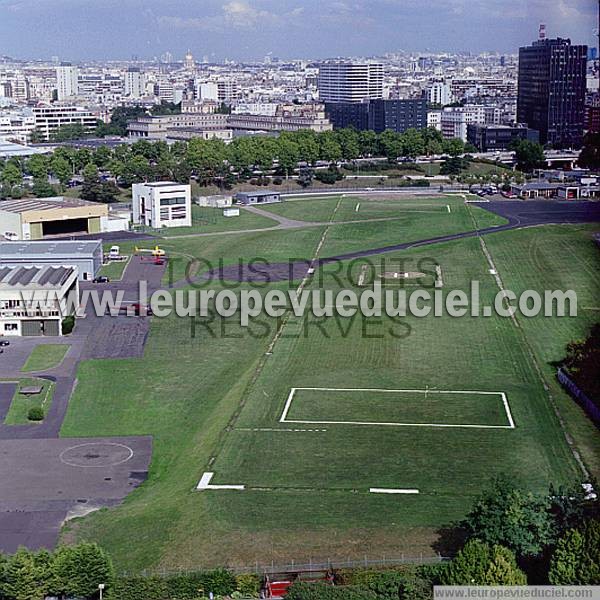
392,408
21,403
211,220
45,356
213,401
114,270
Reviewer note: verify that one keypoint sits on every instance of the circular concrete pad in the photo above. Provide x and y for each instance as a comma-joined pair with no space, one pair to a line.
96,454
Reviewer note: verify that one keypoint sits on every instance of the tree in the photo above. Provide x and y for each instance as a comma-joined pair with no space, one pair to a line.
70,131
576,559
479,563
412,143
41,188
390,144
453,166
454,147
38,166
78,570
26,575
367,141
288,153
589,158
349,143
509,516
11,175
529,155
329,148
36,137
61,169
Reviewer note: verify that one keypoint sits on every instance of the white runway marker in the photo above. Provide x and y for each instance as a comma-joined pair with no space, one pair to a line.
204,484
393,491
357,207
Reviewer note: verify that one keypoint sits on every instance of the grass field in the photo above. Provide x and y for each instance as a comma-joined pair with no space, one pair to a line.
214,402
45,356
21,403
114,270
211,220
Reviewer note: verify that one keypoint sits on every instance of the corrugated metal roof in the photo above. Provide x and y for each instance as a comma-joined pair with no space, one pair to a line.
42,249
32,276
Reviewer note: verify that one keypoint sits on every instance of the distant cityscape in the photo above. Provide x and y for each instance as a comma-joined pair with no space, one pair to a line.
548,92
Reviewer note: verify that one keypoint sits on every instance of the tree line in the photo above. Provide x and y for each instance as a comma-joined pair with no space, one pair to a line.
212,161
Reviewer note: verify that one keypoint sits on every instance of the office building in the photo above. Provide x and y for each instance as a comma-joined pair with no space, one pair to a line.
551,90
489,138
342,81
397,115
455,120
162,204
49,118
379,115
67,83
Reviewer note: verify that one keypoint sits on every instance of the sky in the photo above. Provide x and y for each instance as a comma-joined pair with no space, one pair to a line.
77,30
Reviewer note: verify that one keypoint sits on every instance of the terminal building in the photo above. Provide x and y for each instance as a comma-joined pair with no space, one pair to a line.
39,218
162,204
35,299
84,256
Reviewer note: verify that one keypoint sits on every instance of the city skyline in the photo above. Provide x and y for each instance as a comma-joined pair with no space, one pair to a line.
251,29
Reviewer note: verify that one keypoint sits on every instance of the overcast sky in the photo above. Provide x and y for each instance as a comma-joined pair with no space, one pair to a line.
250,29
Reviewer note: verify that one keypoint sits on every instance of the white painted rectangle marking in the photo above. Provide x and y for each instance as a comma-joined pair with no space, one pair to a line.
290,398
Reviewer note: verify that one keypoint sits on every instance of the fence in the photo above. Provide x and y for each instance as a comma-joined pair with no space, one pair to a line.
316,565
580,397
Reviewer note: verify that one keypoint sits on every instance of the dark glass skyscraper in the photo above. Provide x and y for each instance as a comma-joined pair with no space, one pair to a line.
552,84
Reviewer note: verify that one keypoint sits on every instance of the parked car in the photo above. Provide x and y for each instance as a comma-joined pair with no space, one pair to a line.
101,279
4,343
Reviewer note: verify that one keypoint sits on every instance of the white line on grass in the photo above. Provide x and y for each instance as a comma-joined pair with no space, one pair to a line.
290,398
204,484
357,207
393,491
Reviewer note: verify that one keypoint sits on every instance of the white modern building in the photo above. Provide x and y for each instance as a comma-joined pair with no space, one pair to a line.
162,204
67,83
135,83
439,93
35,299
49,118
454,121
207,90
17,126
343,81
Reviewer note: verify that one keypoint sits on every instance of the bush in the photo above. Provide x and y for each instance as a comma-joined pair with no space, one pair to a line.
186,586
321,591
277,181
36,413
248,584
68,324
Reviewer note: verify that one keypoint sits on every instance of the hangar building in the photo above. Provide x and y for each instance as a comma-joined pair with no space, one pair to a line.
39,218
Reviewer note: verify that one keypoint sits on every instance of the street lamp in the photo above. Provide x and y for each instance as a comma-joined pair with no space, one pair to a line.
101,587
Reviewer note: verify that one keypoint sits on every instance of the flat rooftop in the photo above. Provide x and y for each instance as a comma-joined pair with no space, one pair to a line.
34,277
52,203
42,250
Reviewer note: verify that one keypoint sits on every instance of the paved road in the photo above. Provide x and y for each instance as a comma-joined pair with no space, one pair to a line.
38,488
